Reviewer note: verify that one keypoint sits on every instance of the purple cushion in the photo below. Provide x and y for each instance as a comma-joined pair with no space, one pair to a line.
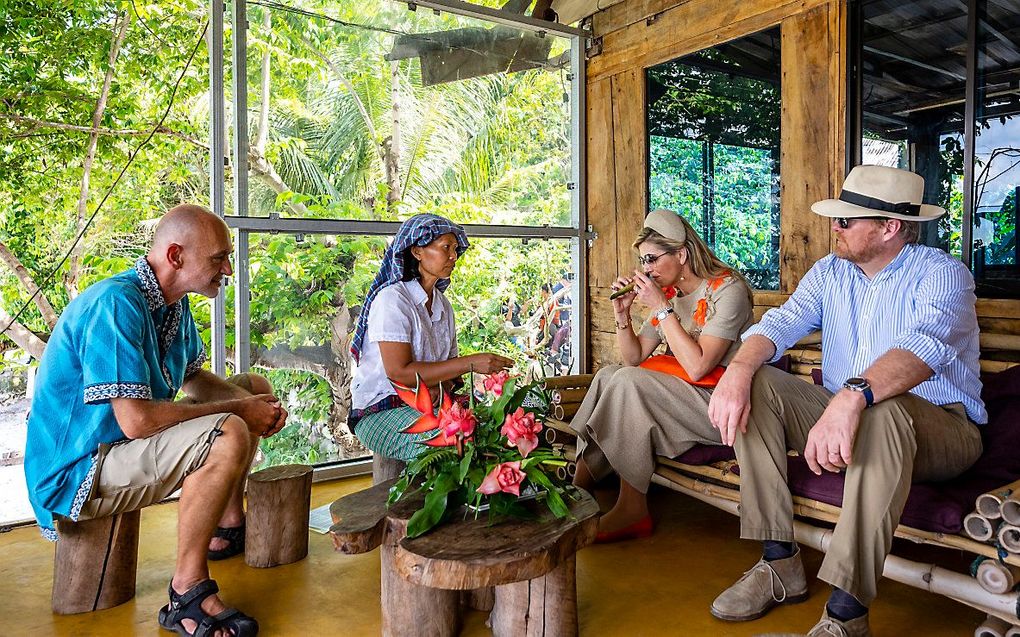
938,507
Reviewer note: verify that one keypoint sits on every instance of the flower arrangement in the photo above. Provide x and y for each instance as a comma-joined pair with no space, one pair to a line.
485,450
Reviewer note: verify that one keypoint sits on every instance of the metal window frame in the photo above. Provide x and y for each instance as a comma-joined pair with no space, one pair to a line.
244,224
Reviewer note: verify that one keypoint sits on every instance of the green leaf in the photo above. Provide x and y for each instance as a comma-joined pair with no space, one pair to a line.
435,507
465,464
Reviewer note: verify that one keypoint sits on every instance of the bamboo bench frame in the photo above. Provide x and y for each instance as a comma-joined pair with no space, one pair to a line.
717,485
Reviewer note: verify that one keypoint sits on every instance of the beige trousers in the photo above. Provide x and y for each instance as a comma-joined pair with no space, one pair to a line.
899,440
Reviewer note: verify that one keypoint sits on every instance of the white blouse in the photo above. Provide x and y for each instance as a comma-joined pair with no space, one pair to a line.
398,315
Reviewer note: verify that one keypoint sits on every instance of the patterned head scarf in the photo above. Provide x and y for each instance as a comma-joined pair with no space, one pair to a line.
419,230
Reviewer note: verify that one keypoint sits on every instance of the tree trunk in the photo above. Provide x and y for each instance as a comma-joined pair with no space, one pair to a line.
23,337
392,150
40,300
120,30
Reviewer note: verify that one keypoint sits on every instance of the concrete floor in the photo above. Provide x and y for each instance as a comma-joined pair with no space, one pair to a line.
659,586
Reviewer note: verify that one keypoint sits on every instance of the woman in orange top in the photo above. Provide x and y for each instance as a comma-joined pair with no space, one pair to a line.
651,404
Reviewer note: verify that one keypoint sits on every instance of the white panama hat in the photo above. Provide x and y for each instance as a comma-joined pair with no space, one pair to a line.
880,191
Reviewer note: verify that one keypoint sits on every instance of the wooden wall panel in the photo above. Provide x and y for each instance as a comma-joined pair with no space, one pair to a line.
601,178
629,144
806,143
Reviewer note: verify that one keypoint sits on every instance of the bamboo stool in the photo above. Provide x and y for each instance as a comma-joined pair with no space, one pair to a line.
425,580
279,499
94,563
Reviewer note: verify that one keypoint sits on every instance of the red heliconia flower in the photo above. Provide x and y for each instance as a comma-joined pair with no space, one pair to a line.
452,419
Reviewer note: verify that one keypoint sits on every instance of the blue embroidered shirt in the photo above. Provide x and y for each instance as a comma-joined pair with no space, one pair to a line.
118,339
922,302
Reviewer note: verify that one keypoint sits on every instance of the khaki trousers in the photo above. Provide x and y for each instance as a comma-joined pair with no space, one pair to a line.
899,440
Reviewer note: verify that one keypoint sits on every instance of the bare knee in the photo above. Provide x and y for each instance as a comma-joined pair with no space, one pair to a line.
233,445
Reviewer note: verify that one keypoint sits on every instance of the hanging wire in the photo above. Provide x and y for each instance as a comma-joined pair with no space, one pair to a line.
113,186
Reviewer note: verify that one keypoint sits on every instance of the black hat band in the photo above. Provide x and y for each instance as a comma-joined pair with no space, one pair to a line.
857,199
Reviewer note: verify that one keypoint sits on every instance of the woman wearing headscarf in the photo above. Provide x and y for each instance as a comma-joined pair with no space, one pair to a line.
406,331
658,405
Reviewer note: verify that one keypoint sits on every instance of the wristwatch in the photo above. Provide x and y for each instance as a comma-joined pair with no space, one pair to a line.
661,315
860,385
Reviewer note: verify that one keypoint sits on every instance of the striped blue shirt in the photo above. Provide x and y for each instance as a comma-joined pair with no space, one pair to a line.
922,302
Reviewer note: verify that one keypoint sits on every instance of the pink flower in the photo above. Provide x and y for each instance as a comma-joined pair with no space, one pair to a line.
521,430
506,477
495,382
457,419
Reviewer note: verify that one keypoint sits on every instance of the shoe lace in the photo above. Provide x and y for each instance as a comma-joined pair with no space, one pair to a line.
828,627
774,579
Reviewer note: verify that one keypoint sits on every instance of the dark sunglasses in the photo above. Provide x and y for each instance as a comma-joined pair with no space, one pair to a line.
649,259
844,222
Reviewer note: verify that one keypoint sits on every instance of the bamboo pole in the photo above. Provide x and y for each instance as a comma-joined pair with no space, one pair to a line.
576,380
1009,537
569,451
979,527
1010,509
827,513
992,627
559,425
553,436
990,504
934,579
562,412
996,577
1014,631
564,396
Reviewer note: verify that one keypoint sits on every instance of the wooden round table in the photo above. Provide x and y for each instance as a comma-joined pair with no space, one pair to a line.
529,562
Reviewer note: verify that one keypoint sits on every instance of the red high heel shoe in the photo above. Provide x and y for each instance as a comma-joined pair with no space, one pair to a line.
640,529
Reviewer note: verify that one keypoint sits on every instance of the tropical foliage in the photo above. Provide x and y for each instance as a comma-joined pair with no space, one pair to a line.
340,127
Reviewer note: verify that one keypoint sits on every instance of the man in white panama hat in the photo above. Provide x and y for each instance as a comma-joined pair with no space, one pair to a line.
900,399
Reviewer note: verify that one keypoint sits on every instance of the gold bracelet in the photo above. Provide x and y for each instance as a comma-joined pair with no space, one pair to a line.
622,326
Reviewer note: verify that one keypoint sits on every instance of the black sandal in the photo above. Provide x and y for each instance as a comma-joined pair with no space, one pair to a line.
235,536
189,606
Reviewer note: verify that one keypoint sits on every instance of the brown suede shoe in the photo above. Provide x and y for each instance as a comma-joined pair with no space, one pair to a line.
832,627
765,585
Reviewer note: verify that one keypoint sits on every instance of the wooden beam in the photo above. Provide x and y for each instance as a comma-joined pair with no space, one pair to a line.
668,33
806,137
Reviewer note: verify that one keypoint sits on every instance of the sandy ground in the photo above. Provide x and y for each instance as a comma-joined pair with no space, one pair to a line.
14,505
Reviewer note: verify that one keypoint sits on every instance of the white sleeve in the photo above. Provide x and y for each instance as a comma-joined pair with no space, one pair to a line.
389,318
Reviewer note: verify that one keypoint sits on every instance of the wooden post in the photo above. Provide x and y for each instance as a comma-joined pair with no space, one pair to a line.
542,607
94,563
479,598
279,499
412,610
384,468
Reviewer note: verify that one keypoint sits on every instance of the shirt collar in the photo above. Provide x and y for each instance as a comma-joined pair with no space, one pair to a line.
150,285
419,296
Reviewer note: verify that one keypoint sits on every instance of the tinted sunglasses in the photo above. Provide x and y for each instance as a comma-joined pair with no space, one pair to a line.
649,259
844,222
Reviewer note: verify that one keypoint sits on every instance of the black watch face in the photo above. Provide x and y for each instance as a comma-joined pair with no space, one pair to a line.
855,382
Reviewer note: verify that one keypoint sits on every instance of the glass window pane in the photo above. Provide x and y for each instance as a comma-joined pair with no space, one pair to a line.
713,144
997,146
509,296
913,84
376,112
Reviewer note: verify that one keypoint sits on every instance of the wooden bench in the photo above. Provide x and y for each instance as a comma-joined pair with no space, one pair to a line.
718,484
425,580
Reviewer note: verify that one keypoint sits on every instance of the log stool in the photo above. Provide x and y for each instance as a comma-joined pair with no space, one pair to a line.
279,499
384,468
94,563
425,580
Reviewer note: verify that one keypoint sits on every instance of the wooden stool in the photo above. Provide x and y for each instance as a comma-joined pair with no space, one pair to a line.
279,499
384,468
94,563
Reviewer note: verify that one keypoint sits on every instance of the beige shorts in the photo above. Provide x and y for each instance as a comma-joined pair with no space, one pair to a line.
136,473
